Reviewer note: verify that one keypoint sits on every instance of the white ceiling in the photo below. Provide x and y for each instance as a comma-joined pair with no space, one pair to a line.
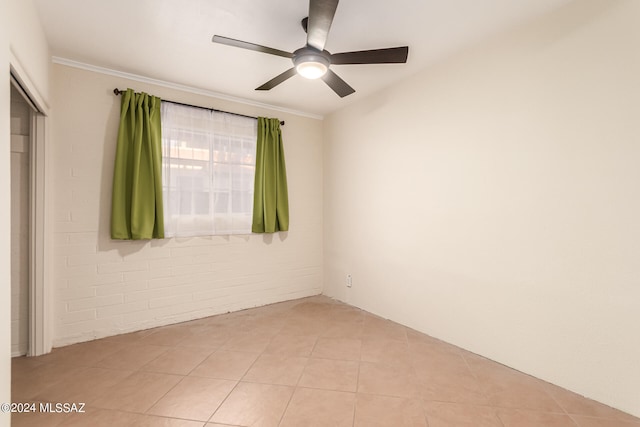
170,40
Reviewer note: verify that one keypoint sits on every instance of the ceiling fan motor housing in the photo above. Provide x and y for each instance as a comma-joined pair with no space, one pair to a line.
311,63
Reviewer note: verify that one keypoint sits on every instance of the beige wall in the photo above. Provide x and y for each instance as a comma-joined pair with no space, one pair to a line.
493,201
104,287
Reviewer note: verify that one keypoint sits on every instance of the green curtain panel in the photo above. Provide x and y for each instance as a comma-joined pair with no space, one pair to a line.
136,203
271,198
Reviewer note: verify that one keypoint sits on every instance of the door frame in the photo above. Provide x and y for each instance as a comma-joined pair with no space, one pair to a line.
40,338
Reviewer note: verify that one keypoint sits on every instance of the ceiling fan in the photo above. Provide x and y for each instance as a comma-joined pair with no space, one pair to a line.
312,61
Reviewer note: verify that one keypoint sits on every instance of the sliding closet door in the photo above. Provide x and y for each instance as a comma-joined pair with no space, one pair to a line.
20,217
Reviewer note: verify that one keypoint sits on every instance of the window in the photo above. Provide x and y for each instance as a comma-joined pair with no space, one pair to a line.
208,168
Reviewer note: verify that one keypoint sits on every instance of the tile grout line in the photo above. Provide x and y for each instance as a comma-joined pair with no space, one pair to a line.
561,407
298,381
355,405
355,409
475,376
238,381
415,376
139,370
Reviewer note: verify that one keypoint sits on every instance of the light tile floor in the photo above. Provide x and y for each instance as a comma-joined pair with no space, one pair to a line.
310,362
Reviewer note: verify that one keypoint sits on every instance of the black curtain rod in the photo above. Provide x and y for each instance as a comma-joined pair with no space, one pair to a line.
120,92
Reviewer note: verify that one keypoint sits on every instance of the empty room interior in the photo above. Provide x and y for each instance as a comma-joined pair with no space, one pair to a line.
457,227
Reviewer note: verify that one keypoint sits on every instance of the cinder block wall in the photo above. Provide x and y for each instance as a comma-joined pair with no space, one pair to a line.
104,287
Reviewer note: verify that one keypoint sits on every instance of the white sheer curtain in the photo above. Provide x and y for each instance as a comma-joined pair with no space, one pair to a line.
208,169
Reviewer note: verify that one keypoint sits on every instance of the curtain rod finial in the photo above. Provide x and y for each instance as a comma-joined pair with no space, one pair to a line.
117,91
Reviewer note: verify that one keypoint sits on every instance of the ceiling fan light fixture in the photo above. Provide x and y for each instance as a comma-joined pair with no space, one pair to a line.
311,70
311,65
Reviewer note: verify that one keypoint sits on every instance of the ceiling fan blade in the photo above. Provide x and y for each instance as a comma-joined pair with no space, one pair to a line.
250,46
338,85
321,13
393,55
278,79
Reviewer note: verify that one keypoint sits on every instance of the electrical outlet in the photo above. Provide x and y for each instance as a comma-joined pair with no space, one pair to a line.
349,282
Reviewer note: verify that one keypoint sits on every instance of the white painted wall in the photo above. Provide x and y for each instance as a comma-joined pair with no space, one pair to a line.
105,287
493,201
5,220
29,49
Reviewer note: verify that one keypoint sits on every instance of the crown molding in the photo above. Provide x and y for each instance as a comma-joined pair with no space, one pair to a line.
177,86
